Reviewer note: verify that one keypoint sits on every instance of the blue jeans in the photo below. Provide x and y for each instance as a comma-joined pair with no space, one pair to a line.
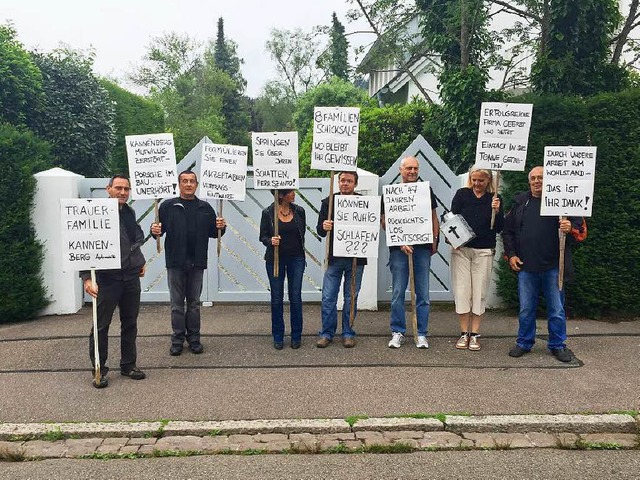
338,267
185,286
529,286
293,268
399,265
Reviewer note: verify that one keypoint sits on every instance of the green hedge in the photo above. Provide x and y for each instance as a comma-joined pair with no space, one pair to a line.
607,263
21,292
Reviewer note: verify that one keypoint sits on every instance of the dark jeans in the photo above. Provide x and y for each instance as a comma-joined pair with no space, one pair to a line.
293,269
185,286
126,296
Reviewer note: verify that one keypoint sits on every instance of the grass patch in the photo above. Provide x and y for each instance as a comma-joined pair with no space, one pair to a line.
353,419
581,444
398,447
214,433
253,451
340,448
12,455
173,453
633,413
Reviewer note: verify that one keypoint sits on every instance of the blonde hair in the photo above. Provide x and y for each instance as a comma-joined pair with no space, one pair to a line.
488,173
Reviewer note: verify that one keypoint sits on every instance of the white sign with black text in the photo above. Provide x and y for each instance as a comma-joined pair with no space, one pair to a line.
407,213
569,174
275,160
90,234
503,136
356,226
152,165
223,172
335,138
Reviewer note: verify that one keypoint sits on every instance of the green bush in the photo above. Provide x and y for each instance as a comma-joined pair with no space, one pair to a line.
607,262
22,294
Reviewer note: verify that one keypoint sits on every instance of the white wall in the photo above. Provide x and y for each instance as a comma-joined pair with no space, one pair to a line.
64,289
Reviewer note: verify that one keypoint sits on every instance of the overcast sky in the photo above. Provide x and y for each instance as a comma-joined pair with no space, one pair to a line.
120,30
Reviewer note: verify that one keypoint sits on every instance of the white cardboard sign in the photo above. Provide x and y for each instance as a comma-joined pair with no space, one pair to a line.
223,172
503,136
335,138
275,160
90,233
356,226
152,165
569,174
407,213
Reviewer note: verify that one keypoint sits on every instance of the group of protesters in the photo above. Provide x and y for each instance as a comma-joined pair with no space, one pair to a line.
531,247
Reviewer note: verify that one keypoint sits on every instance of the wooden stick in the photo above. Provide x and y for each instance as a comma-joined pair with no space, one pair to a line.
96,377
155,208
563,240
412,286
352,309
220,203
495,194
329,215
276,250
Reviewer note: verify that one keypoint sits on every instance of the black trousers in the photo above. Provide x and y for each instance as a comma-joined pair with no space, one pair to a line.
126,296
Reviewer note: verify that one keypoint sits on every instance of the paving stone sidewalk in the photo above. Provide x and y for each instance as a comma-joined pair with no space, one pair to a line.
147,439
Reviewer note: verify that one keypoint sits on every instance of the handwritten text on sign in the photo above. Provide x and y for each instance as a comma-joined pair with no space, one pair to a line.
335,138
90,234
356,226
223,172
152,165
407,213
503,136
569,174
275,160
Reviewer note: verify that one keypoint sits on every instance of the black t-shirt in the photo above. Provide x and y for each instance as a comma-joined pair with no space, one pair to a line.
477,212
539,239
191,212
290,242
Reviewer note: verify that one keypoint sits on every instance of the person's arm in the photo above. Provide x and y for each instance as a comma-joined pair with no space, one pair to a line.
435,224
218,223
578,230
158,229
324,224
456,202
266,228
509,238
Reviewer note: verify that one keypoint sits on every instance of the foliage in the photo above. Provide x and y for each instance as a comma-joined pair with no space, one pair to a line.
602,262
20,81
575,59
273,109
77,114
226,58
335,59
134,115
22,294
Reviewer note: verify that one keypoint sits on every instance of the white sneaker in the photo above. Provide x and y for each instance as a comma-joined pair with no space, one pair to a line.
422,342
397,339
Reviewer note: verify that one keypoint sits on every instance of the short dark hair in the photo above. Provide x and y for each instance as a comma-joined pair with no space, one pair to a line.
118,175
350,172
187,172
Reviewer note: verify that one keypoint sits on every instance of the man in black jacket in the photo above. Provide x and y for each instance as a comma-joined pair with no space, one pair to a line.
121,288
189,223
531,244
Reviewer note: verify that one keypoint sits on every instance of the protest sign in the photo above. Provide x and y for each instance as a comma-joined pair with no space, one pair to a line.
335,138
503,136
407,213
90,234
152,165
569,174
223,172
356,226
275,160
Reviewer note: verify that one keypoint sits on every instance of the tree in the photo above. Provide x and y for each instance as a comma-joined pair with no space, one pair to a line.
335,59
20,81
77,116
273,109
226,58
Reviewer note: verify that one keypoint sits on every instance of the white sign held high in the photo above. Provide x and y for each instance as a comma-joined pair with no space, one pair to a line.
223,172
407,213
335,138
503,136
356,226
569,174
152,165
275,160
90,234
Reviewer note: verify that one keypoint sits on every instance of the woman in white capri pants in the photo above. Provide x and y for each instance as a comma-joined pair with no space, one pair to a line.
471,265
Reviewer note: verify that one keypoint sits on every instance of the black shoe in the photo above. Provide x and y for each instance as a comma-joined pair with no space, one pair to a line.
196,348
103,382
517,351
295,344
562,354
175,350
278,345
134,374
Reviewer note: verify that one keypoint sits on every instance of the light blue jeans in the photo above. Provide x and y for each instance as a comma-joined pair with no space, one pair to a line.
399,265
339,267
